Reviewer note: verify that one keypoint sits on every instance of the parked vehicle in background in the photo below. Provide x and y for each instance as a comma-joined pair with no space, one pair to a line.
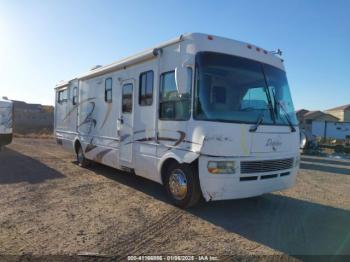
307,140
331,129
6,120
303,139
202,115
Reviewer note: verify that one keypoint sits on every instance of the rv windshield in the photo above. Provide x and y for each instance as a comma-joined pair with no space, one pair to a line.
235,89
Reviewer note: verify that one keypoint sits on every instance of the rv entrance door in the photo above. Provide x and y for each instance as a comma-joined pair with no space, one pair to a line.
125,125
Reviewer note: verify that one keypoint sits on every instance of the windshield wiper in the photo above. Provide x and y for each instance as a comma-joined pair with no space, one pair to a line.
278,103
258,123
286,116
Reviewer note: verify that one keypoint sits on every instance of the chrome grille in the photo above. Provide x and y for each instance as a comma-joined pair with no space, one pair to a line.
248,167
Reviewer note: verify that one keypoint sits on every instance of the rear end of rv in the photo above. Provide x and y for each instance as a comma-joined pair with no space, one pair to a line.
6,122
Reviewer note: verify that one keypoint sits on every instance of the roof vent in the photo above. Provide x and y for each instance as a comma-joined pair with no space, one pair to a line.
95,67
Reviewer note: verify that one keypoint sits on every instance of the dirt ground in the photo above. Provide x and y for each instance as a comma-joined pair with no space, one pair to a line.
49,205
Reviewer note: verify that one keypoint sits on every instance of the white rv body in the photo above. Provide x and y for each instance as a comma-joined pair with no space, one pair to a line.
136,137
6,120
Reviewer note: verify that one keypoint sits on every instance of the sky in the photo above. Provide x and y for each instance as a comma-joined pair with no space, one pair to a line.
43,42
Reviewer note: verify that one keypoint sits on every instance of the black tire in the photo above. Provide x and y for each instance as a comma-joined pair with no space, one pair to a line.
82,161
193,193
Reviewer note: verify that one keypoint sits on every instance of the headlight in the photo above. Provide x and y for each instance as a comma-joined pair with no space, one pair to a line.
221,167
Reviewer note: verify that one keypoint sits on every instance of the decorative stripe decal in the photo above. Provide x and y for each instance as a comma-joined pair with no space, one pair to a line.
177,141
89,148
76,106
109,109
99,156
89,118
182,137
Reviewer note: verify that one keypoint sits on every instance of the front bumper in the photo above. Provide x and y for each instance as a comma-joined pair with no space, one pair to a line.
234,186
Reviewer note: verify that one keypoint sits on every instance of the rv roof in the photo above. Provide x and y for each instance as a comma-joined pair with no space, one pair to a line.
5,101
146,54
140,57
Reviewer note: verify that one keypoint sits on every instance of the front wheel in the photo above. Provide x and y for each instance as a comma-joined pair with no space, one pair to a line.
182,185
82,161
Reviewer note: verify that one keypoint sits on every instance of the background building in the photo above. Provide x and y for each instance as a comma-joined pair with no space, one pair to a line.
32,118
341,112
306,118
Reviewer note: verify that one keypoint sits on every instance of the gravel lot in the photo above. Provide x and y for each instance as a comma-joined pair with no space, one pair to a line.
49,205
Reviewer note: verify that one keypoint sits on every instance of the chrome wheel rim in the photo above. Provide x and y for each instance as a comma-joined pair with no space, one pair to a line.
178,184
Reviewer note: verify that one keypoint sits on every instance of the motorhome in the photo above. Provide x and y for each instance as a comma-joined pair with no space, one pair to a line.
6,115
200,114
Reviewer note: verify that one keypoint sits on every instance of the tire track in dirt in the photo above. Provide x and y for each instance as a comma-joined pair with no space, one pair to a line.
141,239
161,231
87,209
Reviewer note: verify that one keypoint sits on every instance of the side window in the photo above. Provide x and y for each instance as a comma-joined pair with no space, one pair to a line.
127,98
75,95
62,96
146,88
172,106
108,90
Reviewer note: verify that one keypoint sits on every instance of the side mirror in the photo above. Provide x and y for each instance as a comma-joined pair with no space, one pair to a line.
183,75
180,79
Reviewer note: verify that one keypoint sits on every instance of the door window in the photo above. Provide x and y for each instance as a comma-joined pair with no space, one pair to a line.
127,98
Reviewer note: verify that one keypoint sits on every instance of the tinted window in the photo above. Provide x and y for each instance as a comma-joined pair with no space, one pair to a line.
108,90
255,99
146,88
127,98
172,105
219,94
75,95
63,96
235,89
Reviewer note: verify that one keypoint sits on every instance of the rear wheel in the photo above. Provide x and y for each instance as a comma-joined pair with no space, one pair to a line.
182,184
82,161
